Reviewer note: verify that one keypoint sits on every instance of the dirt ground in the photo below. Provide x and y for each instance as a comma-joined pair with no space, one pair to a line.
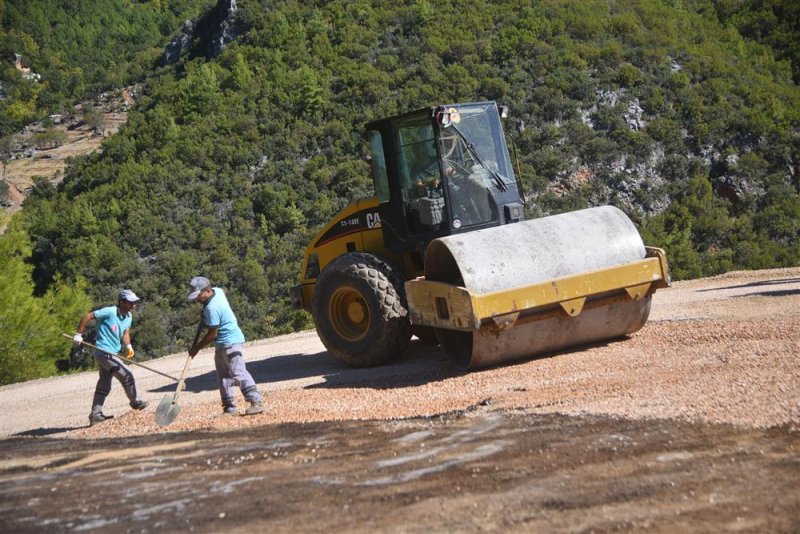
692,423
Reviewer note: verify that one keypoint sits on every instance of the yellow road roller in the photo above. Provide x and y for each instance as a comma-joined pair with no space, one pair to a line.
443,252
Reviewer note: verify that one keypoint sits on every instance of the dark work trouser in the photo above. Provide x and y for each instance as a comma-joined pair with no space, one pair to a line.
110,366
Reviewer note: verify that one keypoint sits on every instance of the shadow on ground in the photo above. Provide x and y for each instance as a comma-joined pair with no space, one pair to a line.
754,284
42,432
420,363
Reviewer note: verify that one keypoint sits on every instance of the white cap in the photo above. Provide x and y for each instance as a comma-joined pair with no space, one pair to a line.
198,284
130,296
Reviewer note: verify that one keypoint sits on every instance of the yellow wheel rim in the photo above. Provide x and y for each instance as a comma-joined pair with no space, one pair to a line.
349,314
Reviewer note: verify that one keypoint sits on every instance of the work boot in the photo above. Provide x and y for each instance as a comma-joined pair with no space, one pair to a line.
255,408
139,404
229,410
98,417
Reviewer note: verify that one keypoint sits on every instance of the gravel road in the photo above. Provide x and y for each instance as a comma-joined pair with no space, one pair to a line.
690,425
718,350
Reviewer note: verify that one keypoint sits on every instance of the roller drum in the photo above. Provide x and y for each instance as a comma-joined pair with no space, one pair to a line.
531,252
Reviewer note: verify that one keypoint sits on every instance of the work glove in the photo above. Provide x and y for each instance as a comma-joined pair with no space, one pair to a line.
77,339
129,350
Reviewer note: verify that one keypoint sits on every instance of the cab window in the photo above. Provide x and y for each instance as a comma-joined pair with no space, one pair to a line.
378,163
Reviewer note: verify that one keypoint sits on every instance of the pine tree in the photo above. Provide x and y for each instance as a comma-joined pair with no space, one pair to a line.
31,341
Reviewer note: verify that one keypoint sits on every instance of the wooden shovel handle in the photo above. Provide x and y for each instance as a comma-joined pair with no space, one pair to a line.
183,378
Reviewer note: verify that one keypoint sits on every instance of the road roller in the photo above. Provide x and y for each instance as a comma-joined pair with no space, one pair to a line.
443,251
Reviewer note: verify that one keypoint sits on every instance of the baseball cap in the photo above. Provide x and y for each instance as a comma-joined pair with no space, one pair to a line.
130,296
198,284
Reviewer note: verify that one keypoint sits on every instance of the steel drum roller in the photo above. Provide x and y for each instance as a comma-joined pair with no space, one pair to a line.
531,252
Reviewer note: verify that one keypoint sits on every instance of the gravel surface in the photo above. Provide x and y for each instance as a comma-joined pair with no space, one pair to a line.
719,350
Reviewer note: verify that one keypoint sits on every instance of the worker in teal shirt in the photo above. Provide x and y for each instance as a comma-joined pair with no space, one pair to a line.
113,329
224,331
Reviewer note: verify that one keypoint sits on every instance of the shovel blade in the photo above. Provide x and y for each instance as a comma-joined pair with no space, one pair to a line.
167,411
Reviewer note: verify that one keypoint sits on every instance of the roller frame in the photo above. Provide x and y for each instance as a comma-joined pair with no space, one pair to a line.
452,307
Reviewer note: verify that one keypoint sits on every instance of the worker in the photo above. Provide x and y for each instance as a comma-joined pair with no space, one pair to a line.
224,331
429,182
113,330
422,166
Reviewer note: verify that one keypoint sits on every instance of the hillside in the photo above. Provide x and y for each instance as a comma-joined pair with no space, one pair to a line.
247,139
56,53
26,163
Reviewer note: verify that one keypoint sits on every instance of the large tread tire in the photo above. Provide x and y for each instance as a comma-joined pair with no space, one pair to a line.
360,311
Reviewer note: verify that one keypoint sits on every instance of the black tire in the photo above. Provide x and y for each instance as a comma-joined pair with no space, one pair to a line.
360,311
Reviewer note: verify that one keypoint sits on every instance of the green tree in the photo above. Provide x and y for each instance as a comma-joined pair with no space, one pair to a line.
94,119
32,326
50,138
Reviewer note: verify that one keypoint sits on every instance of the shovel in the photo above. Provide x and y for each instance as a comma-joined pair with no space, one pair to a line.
124,359
168,409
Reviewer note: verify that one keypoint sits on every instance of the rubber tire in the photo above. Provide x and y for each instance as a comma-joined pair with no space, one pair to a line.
381,287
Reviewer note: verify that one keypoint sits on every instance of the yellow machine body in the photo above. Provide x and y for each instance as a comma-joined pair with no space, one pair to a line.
443,251
356,228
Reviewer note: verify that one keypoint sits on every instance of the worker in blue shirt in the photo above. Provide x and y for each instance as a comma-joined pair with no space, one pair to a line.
113,330
224,331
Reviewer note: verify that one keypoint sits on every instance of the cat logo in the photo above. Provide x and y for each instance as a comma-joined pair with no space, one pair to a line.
373,220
